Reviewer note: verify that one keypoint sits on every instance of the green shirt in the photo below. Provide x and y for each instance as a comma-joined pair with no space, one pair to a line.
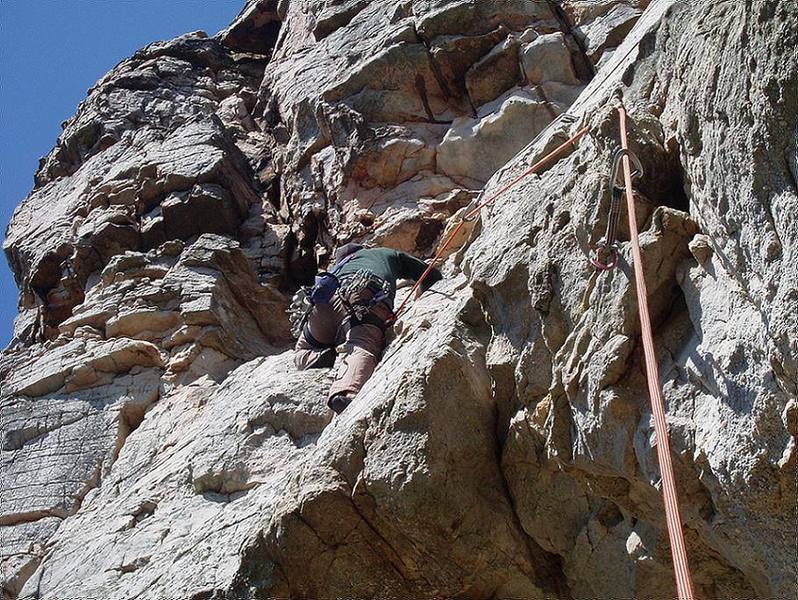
390,265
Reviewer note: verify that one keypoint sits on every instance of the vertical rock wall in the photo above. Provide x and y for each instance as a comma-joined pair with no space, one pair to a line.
156,440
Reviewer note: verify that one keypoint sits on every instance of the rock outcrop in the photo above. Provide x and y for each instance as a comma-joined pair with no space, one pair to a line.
156,439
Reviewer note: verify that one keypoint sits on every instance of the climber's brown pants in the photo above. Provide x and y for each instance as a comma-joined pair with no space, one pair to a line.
362,344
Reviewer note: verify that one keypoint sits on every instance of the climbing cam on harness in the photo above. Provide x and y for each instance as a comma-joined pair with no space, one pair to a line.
298,311
606,256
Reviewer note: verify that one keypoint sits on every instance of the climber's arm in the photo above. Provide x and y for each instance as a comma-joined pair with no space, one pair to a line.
413,268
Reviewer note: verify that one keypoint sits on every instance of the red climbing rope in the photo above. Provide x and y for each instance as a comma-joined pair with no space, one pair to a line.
472,214
684,584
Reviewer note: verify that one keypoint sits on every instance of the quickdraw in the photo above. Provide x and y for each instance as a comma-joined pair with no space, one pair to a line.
606,255
298,311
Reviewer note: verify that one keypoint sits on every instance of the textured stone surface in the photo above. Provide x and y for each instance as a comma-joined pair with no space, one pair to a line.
381,90
156,440
474,149
144,152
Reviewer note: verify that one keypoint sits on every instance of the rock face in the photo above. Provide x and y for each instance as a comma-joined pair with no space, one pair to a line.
156,439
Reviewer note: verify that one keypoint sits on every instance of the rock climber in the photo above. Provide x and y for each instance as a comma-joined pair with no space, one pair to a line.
351,307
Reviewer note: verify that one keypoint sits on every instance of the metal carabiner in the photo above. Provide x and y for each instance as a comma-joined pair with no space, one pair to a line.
474,209
606,256
615,170
466,219
605,250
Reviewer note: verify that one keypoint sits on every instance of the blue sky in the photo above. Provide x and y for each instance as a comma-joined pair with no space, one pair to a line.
51,52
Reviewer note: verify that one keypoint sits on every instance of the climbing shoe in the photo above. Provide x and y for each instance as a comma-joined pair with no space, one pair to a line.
324,360
339,402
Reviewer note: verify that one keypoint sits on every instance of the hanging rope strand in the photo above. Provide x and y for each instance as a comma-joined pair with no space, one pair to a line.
684,584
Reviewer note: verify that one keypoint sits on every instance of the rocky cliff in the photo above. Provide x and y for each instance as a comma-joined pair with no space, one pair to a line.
156,439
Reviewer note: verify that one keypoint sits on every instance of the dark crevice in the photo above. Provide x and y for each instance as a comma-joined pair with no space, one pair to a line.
609,515
58,285
258,33
676,191
663,183
429,231
449,95
300,259
273,193
676,309
438,73
584,67
548,567
130,419
421,88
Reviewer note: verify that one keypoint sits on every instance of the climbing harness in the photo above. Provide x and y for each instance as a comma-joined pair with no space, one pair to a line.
324,287
475,212
684,585
606,256
352,285
360,284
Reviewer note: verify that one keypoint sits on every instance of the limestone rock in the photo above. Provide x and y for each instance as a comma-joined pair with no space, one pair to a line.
56,447
493,74
474,149
608,31
380,88
145,160
156,438
601,25
547,58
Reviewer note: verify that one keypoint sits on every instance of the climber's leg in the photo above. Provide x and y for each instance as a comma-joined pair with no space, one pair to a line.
362,351
315,348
